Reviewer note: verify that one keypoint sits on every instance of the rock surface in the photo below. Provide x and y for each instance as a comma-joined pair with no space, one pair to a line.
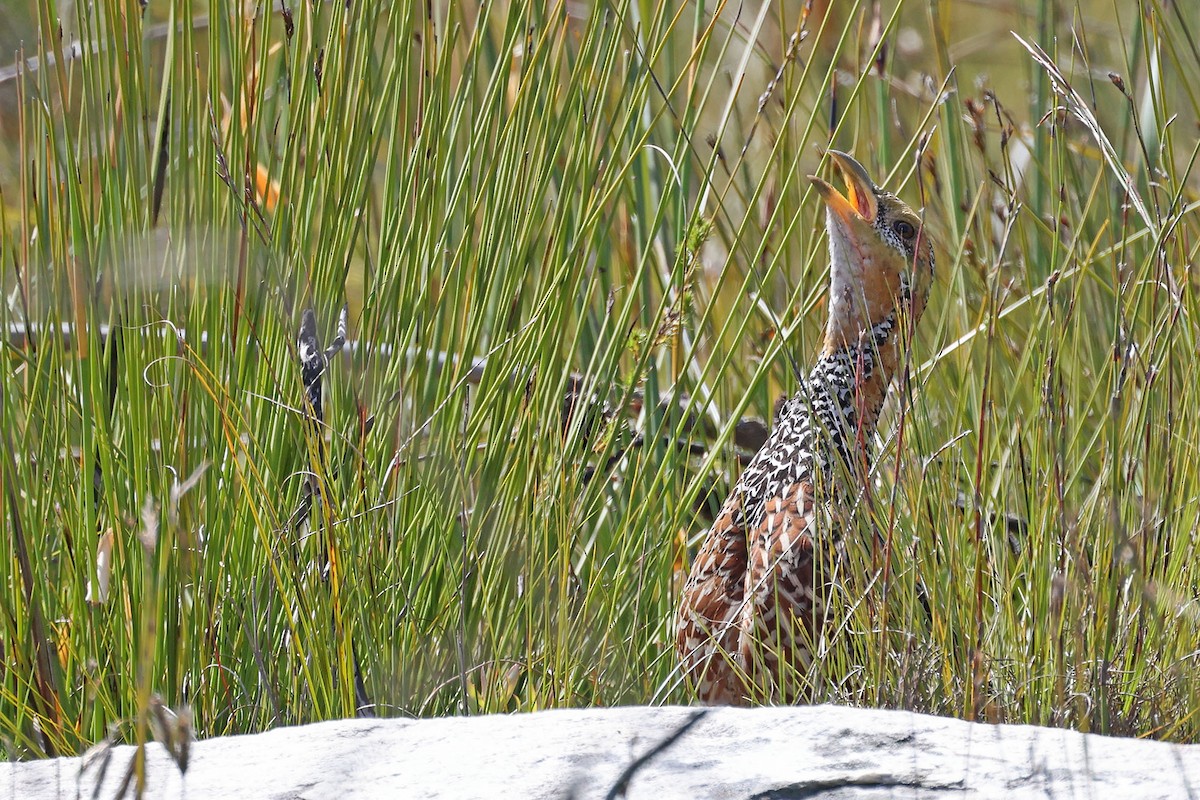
806,752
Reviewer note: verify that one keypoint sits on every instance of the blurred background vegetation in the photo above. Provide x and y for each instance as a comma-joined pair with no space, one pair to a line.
580,258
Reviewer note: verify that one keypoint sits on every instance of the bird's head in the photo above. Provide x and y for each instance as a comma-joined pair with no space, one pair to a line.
881,259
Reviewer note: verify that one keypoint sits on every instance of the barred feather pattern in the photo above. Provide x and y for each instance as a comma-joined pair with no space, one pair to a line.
754,602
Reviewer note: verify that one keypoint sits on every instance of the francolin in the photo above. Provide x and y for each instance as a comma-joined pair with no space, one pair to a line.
756,602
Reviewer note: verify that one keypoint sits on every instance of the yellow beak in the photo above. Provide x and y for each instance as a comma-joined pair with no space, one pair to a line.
859,201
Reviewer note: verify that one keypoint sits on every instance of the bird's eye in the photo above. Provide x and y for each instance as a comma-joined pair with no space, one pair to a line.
904,229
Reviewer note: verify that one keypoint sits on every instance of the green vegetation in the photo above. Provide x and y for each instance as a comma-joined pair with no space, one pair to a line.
616,191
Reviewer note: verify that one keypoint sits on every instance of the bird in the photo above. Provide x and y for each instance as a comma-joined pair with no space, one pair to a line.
755,602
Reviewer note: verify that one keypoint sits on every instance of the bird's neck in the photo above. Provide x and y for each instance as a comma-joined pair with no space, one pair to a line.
846,389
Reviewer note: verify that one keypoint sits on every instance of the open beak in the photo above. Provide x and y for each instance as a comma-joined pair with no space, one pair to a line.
859,201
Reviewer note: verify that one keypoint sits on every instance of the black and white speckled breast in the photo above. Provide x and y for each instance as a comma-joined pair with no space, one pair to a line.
814,429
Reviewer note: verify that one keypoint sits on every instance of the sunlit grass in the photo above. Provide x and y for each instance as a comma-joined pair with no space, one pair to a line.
523,203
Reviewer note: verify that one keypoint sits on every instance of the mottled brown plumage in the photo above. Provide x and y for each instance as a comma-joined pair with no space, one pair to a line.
755,602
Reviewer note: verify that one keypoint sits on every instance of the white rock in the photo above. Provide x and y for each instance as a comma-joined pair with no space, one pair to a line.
804,752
